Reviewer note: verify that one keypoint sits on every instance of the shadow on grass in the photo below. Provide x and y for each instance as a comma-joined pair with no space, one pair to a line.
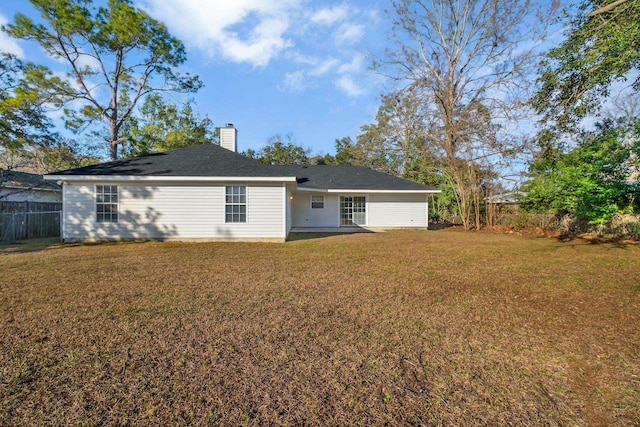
593,239
567,239
33,245
297,236
441,225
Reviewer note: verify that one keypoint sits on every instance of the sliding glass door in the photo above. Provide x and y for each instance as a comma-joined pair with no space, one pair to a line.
353,210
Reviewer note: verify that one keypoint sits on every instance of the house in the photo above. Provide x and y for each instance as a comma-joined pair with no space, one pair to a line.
211,192
506,202
27,187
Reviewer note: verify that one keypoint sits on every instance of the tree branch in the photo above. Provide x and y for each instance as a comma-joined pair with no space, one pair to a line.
607,8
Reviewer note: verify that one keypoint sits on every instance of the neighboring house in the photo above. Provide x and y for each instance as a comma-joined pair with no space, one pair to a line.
506,202
210,192
27,187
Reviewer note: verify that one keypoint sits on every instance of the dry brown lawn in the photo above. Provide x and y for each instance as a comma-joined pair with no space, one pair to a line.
397,328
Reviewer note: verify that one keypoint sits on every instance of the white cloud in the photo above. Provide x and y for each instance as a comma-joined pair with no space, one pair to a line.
349,74
330,16
355,65
293,82
299,58
349,33
318,44
299,80
8,44
324,67
373,15
252,31
348,85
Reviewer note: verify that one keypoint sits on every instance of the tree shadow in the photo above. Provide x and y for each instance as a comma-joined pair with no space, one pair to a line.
616,241
310,235
441,225
81,224
33,245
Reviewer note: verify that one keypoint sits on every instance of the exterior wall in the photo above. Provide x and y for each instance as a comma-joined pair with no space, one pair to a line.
18,195
384,210
397,210
288,213
304,216
174,211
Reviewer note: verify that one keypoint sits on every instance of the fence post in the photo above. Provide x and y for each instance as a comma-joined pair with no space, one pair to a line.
13,227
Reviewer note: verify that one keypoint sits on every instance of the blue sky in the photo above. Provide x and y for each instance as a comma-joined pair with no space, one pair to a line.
269,66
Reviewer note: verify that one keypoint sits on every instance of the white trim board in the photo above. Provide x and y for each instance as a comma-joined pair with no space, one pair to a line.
367,191
72,178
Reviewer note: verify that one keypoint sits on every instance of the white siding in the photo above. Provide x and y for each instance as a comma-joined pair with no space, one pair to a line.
384,210
304,216
288,219
174,211
397,210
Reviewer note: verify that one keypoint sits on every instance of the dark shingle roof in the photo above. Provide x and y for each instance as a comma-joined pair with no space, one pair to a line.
10,178
215,161
347,178
197,160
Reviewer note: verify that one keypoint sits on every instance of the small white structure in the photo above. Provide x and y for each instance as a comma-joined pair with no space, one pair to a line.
210,192
505,202
27,187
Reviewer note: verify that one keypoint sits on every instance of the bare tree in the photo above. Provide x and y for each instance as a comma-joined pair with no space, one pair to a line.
625,106
468,61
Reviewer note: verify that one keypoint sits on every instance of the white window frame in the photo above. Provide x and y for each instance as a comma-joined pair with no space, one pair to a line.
107,195
320,201
230,201
366,210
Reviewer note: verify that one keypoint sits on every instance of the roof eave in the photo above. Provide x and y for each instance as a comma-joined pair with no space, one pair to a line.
356,190
72,178
35,188
362,190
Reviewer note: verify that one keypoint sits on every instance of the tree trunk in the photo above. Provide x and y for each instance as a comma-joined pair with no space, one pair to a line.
114,130
113,151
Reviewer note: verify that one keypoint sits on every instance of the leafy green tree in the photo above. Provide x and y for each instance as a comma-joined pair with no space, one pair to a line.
162,126
602,45
26,140
590,181
344,154
23,121
396,138
117,48
278,152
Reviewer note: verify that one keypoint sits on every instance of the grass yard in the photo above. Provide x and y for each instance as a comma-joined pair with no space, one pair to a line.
398,328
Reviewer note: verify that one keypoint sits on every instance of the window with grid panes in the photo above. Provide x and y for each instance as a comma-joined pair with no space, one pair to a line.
106,203
235,209
317,202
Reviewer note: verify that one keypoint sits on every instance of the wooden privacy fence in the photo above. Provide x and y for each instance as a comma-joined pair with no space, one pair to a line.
29,220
